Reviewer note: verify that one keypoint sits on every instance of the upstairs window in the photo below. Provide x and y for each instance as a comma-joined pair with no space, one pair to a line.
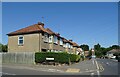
67,45
50,39
55,40
71,46
64,44
61,41
45,37
20,40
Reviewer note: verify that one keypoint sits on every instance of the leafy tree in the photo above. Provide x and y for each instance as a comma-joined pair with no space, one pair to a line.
115,47
3,48
85,47
97,47
90,53
0,47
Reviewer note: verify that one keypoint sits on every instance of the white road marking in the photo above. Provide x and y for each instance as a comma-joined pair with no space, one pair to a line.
7,73
93,62
97,69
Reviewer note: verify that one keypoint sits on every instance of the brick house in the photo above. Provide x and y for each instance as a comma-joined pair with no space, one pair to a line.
36,38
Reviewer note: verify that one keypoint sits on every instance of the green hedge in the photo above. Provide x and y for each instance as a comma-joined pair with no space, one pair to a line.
58,57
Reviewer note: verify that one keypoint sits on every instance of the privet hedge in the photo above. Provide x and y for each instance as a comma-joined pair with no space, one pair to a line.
58,57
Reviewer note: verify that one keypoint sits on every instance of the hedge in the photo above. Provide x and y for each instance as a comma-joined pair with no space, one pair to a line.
58,57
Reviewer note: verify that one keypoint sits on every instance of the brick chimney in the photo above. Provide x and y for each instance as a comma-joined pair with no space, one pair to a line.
41,24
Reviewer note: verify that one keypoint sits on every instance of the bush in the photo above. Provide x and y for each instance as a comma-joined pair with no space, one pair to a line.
58,57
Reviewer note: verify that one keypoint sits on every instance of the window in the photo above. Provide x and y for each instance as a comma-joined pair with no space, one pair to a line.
61,41
45,37
71,46
55,40
50,39
67,44
64,45
20,40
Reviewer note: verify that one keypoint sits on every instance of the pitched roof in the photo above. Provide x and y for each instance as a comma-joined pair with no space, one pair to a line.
75,45
38,28
49,31
114,50
29,29
65,40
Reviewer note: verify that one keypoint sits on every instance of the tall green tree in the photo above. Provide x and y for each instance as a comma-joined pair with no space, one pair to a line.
85,47
97,47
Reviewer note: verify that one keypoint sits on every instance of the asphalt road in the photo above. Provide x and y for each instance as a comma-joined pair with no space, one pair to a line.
110,67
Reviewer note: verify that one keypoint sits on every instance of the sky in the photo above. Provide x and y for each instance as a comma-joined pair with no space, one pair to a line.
83,22
0,22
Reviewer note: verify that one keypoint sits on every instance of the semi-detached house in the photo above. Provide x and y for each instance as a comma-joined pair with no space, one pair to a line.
36,38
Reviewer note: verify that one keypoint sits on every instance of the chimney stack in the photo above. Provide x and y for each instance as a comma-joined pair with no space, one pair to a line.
58,34
70,40
41,24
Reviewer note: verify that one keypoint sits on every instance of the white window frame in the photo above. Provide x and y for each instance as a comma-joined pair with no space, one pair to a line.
64,44
61,41
67,45
50,38
55,40
20,39
46,37
71,46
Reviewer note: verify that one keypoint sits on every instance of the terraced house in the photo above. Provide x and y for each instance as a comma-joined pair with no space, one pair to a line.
36,38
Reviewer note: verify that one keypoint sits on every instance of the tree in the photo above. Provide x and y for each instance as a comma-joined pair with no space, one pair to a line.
97,47
90,53
0,47
98,50
115,47
85,47
3,48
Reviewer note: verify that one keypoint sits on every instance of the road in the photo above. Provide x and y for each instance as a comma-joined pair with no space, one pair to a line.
109,67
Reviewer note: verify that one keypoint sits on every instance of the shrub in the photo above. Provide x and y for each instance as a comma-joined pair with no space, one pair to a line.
58,57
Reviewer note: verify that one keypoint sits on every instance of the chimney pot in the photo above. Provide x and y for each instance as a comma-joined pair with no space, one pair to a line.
71,40
40,23
58,34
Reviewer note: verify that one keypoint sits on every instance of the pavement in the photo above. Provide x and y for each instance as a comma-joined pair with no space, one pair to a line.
88,67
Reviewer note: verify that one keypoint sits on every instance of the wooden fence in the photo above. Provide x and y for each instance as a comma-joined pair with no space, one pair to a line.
19,57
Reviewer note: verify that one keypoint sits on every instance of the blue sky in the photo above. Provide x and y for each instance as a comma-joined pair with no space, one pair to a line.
1,22
86,23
